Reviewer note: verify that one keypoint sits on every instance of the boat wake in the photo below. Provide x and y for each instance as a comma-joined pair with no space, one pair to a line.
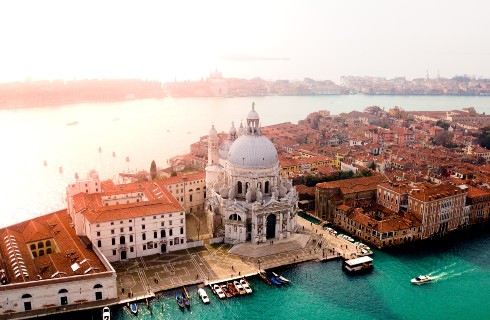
450,274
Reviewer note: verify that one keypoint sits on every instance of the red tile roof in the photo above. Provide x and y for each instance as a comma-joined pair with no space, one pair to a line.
160,201
67,249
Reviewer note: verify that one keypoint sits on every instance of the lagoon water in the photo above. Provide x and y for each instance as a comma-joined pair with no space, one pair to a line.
143,130
149,130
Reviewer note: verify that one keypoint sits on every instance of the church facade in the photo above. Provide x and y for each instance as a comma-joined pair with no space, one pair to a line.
247,200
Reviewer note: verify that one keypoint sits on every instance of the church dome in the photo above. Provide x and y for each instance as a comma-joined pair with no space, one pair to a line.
254,151
253,115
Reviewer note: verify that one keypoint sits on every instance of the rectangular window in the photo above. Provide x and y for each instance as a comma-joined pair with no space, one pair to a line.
120,222
170,222
162,224
122,229
143,226
181,213
112,231
113,252
181,220
154,217
144,247
130,228
130,220
112,223
131,249
98,233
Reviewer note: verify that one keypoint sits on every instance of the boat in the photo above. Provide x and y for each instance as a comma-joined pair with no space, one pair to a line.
421,279
239,287
106,313
180,300
133,307
281,278
264,277
187,300
358,264
218,291
246,285
226,290
203,295
72,123
232,288
275,281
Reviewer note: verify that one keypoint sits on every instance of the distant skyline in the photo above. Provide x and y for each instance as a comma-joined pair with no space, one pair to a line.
186,40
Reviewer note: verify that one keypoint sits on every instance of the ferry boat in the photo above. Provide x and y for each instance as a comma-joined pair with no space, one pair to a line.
421,279
358,264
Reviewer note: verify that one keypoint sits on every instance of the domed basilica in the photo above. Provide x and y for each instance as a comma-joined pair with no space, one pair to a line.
247,200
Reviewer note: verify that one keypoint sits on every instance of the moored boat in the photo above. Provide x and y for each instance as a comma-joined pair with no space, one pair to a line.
180,300
281,278
106,313
203,295
226,290
246,285
239,287
185,297
264,277
232,288
421,279
218,291
133,307
358,264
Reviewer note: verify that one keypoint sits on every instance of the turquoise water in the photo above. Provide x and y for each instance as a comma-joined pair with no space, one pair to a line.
461,289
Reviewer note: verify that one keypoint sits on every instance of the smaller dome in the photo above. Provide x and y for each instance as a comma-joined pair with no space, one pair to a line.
253,115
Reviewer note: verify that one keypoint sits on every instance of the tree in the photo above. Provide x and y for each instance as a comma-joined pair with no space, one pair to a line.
153,170
444,138
484,137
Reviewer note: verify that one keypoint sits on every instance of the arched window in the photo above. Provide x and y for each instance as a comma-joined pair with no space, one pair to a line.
190,190
170,232
48,250
131,238
266,189
143,236
181,230
48,243
122,239
99,243
247,185
25,296
40,244
198,189
34,254
41,253
259,186
162,233
33,246
97,286
235,217
113,241
155,234
63,291
239,187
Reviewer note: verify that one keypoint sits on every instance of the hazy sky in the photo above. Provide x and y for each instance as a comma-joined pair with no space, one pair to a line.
182,40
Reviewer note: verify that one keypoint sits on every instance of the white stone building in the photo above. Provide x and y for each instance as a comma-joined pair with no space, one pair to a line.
247,200
130,220
45,266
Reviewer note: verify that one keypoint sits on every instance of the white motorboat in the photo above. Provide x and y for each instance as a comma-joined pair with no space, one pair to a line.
421,279
246,285
203,295
106,313
217,289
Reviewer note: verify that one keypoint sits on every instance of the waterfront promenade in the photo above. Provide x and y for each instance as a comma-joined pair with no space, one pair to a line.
147,277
